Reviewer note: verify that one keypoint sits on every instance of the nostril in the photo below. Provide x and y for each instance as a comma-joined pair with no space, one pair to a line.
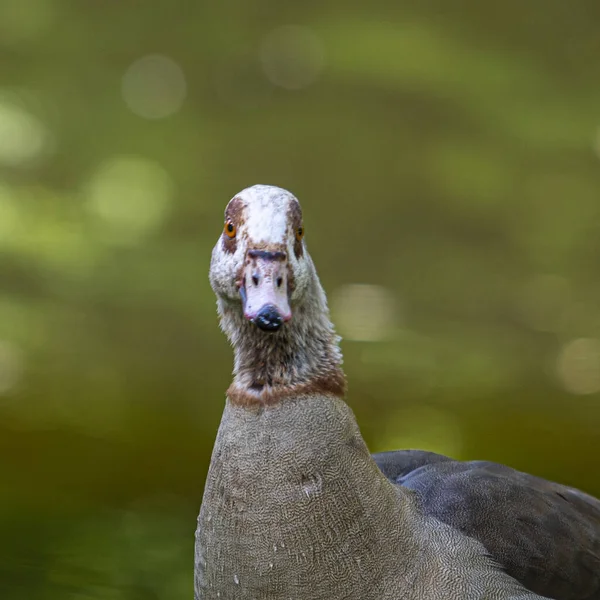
255,279
279,281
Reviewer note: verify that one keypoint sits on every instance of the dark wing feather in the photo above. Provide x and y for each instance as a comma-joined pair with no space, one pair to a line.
546,535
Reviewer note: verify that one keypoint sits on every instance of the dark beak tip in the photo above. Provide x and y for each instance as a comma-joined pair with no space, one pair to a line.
268,319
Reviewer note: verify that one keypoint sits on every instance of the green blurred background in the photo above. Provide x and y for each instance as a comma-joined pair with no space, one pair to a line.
447,155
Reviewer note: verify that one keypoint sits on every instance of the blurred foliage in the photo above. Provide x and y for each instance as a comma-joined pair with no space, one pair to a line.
447,159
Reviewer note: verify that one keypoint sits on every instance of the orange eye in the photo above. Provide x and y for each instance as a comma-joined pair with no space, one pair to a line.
230,229
299,233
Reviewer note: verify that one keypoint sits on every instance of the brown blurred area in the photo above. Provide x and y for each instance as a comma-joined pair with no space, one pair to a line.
447,156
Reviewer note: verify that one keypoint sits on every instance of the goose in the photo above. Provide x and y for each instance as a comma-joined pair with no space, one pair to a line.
294,505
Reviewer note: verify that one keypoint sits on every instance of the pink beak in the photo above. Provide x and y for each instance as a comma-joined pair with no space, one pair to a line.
264,289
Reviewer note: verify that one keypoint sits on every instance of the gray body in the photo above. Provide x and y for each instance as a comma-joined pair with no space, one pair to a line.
546,535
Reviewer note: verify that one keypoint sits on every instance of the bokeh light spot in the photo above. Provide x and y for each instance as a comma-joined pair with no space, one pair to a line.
154,87
364,312
22,136
130,194
578,366
292,57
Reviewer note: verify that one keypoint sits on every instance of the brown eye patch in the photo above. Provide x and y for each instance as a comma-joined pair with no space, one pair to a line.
295,217
234,217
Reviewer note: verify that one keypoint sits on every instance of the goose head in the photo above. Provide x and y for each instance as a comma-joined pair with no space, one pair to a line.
271,303
260,267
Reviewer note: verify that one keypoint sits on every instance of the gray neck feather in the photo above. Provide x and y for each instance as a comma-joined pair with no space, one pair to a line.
282,516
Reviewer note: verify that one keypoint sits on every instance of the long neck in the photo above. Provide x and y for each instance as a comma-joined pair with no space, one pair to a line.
303,355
